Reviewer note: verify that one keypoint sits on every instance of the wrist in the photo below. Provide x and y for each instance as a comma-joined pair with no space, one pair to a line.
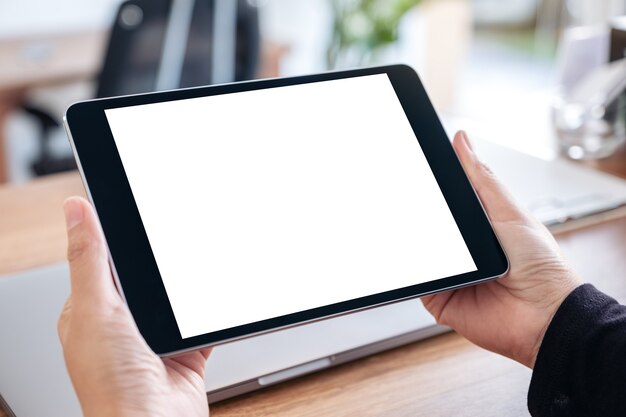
548,312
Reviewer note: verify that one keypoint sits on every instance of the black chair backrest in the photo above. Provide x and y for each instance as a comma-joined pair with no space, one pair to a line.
133,58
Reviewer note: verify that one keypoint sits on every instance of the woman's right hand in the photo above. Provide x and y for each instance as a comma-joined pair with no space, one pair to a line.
509,315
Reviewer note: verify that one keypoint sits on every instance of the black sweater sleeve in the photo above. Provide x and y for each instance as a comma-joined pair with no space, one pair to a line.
581,366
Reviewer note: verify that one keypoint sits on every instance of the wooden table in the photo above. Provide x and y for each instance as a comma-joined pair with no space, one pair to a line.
442,376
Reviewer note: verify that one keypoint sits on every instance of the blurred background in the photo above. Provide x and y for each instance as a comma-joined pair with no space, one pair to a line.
494,67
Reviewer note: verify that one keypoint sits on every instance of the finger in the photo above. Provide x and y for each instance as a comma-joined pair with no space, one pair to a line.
498,203
196,361
91,280
206,352
435,304
64,318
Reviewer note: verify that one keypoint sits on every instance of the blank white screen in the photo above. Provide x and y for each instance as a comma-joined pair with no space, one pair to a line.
264,203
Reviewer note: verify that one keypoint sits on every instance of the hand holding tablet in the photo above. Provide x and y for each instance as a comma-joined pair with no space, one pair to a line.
239,209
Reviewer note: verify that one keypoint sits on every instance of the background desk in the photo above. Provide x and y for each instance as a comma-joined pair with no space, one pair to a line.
442,376
54,59
40,61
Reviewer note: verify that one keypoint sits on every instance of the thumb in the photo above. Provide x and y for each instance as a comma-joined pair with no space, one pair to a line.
91,279
498,203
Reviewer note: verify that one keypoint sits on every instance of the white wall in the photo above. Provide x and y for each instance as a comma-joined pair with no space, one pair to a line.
304,26
592,12
23,17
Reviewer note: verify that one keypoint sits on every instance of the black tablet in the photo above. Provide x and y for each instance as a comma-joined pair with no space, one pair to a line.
239,209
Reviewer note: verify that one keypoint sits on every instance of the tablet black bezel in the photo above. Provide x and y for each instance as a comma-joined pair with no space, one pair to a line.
132,257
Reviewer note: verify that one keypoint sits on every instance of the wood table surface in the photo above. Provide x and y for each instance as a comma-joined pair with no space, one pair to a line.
41,60
441,376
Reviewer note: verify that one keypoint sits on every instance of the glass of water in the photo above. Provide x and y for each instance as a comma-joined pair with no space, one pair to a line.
590,119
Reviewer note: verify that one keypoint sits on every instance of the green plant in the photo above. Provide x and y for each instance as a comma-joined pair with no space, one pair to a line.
362,28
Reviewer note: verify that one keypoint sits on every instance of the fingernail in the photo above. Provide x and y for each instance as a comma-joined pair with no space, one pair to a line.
73,213
467,140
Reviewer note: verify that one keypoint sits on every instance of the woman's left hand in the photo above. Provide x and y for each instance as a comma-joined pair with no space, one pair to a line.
113,370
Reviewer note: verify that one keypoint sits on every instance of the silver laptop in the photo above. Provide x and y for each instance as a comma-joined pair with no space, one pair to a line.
31,368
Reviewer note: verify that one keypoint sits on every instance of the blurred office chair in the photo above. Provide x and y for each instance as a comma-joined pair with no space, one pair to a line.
158,45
